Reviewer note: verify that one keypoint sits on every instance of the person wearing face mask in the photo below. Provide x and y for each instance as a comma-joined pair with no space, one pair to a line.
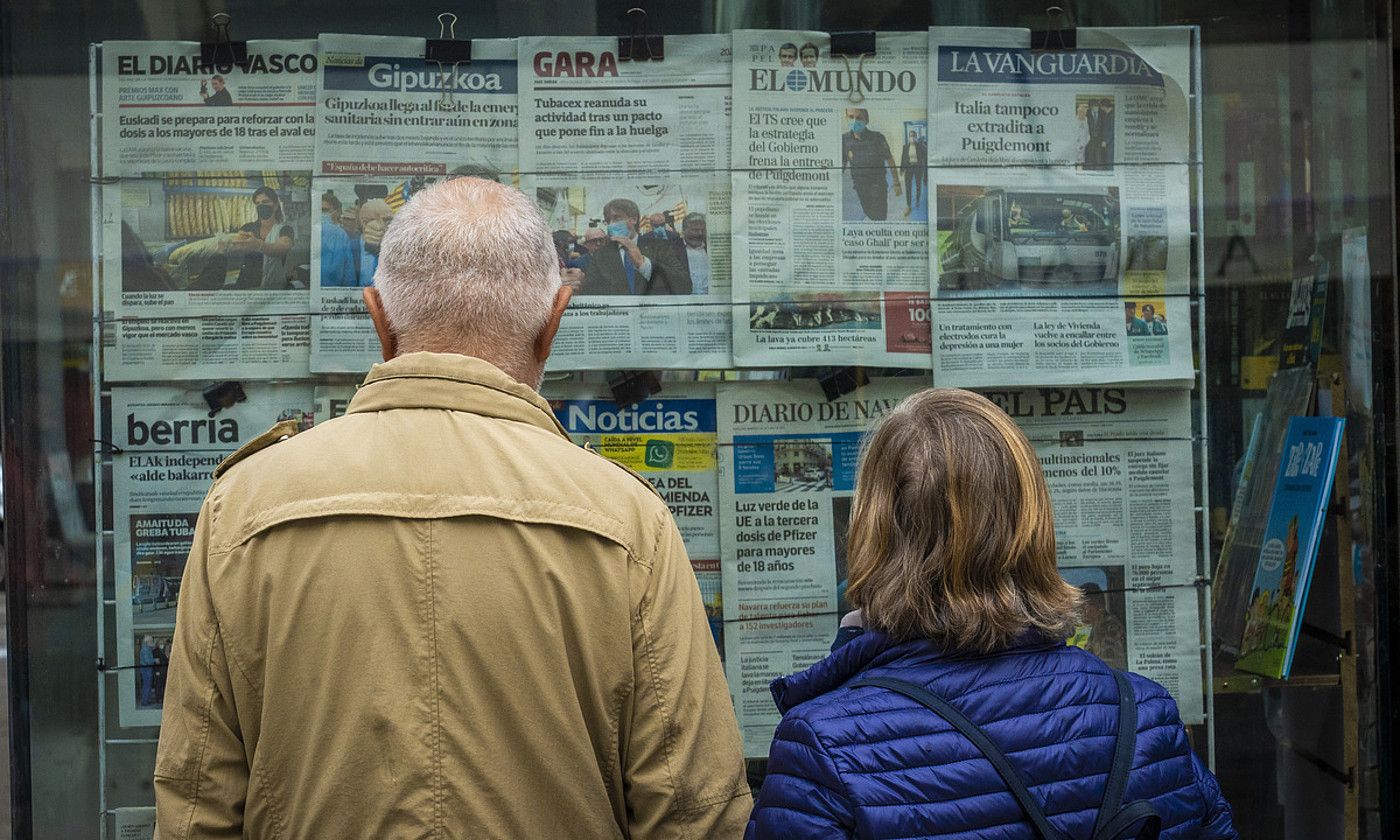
630,265
264,244
662,229
697,252
337,252
866,155
374,215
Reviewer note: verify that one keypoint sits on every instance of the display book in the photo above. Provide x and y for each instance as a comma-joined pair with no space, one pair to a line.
1292,535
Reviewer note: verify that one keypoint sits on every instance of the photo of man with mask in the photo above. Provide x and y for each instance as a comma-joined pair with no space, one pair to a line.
865,154
629,265
697,252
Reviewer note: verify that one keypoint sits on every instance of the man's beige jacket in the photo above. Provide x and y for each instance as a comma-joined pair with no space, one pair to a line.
436,617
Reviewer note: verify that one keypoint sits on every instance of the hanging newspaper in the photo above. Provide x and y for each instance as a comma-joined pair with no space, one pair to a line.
788,462
669,439
630,163
787,470
1119,466
1116,461
169,445
1119,98
1062,235
206,223
830,201
388,123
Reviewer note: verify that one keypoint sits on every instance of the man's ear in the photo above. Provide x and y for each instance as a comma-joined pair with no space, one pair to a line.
545,340
388,341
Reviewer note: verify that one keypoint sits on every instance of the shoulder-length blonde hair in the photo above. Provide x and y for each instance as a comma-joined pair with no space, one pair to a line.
952,537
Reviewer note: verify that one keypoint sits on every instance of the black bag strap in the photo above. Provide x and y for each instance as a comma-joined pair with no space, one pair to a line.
1123,748
973,733
1136,812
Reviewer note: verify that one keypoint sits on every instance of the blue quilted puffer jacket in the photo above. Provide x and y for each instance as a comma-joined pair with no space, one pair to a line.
870,763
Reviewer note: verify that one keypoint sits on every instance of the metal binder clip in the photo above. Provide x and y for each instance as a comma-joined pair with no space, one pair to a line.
838,382
446,49
630,387
223,52
222,395
1054,38
844,45
639,46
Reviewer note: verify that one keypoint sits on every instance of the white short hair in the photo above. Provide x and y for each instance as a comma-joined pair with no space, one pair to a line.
468,265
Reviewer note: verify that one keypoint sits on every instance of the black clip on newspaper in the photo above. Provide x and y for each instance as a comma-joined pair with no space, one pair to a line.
1056,38
852,44
838,382
447,48
223,52
222,395
640,46
630,387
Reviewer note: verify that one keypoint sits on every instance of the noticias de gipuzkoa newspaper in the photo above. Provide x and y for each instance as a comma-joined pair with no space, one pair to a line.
167,446
1061,241
630,163
206,223
390,123
1119,466
830,201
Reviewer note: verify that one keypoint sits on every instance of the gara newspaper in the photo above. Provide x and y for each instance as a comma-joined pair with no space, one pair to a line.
630,163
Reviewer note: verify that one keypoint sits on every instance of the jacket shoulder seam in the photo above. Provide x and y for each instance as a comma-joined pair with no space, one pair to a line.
430,506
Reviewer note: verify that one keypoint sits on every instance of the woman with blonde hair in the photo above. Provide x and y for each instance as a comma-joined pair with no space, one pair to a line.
959,711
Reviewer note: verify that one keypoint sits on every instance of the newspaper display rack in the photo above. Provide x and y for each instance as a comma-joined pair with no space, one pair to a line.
755,645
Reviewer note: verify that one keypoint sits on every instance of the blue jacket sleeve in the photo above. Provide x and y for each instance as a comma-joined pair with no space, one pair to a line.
1219,823
803,796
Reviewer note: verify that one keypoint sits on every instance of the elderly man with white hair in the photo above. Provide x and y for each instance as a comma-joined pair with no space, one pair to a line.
435,616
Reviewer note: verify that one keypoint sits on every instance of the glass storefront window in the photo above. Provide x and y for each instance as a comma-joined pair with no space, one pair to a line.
1252,242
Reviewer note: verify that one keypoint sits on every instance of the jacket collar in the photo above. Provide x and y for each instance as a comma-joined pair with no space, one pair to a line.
454,383
869,650
835,670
